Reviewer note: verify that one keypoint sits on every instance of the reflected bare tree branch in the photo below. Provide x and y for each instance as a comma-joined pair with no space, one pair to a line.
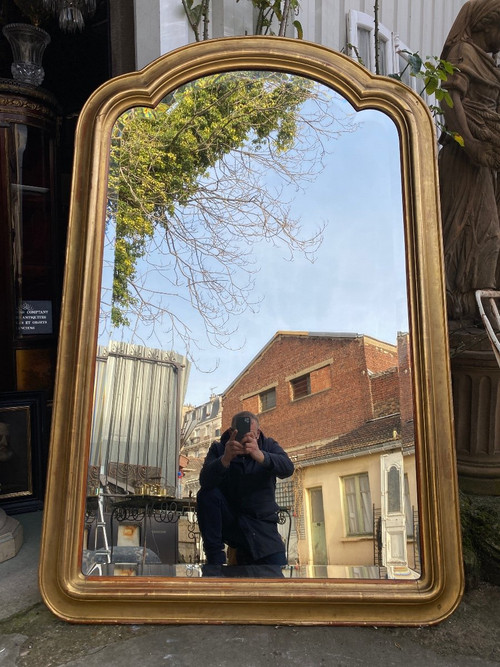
199,181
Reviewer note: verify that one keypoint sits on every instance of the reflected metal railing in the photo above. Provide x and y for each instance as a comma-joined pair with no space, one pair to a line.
105,511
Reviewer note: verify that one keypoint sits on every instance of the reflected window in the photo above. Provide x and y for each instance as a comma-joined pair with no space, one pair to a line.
301,386
394,492
284,493
316,380
317,509
358,504
409,510
267,399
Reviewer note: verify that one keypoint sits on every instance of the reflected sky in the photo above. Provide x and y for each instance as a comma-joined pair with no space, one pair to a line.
357,282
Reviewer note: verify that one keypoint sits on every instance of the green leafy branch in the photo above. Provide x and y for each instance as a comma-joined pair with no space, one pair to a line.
270,14
197,16
165,199
433,72
270,11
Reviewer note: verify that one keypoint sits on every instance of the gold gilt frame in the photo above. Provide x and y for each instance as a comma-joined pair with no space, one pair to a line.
74,597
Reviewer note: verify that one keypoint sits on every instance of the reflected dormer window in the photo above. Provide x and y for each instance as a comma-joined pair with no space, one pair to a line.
267,399
301,386
317,378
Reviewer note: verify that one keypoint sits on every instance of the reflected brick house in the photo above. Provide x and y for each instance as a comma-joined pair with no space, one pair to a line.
309,388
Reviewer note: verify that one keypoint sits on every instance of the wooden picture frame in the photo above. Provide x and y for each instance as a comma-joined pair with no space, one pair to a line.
22,451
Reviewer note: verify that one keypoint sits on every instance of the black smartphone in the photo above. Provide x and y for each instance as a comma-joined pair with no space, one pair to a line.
243,426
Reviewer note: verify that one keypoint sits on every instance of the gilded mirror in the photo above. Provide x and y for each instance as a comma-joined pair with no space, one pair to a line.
254,226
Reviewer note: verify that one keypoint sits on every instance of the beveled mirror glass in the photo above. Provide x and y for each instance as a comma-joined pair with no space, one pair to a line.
239,207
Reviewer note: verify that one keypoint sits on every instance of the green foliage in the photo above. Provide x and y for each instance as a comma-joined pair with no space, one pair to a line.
433,72
275,13
159,157
197,16
273,17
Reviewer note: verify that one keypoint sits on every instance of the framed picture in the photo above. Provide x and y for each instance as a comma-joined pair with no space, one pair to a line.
23,451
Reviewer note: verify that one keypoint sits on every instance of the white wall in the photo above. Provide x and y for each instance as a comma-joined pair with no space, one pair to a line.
160,26
422,25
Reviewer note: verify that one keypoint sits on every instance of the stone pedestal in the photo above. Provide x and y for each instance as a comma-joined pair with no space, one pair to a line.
11,536
480,517
476,400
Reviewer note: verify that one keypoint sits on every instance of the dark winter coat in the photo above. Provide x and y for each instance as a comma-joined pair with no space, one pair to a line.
249,488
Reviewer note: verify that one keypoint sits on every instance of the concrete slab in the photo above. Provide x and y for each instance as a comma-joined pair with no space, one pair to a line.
248,646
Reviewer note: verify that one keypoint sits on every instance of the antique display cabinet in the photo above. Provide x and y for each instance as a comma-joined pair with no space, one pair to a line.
29,283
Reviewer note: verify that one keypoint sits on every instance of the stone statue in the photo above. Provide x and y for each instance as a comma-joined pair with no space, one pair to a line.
470,195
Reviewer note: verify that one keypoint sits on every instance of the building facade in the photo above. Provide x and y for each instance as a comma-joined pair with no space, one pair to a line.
347,26
297,385
201,426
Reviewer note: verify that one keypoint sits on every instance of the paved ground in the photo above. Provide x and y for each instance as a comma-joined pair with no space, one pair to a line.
31,636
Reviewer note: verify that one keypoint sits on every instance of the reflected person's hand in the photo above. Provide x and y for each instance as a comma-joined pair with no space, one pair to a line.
251,447
232,449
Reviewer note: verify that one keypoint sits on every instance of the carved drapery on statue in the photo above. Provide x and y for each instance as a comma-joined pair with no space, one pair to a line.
468,175
470,199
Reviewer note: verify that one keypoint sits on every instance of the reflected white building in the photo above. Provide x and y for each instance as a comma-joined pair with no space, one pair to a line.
201,426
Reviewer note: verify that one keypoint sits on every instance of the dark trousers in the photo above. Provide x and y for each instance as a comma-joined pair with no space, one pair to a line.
219,526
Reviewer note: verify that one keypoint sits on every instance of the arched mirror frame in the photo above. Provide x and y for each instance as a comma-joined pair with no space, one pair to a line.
74,597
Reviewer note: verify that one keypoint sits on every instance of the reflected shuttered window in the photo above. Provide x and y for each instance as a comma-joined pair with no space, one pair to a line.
267,399
394,491
301,386
318,379
358,504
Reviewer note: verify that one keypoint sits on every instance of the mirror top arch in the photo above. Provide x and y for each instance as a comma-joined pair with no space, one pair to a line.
74,597
148,86
360,87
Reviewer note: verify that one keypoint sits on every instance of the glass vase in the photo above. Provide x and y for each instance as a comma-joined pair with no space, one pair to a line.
28,44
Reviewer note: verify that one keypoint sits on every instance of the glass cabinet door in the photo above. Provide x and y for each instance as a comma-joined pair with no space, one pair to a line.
29,248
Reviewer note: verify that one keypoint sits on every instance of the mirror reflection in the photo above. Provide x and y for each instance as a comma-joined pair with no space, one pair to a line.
254,261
